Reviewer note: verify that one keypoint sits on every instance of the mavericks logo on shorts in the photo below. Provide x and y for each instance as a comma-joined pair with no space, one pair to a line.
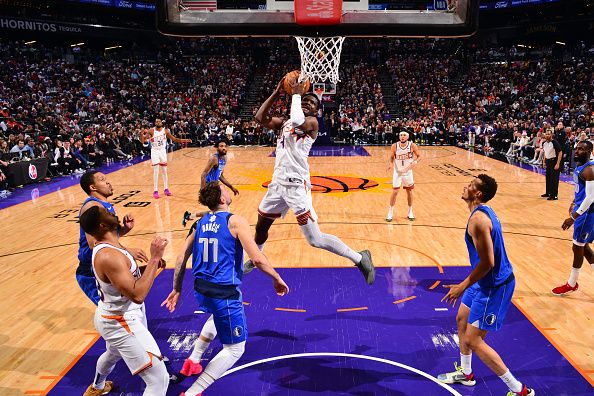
237,331
490,319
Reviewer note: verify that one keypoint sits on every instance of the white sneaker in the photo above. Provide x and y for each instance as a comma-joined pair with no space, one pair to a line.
389,217
457,377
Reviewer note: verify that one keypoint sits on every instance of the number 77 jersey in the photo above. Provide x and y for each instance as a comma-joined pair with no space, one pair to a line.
217,256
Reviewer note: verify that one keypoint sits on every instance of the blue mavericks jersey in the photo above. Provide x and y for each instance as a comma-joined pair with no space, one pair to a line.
216,172
85,253
503,268
217,256
580,186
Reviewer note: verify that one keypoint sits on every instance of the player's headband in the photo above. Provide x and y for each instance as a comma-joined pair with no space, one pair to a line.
404,133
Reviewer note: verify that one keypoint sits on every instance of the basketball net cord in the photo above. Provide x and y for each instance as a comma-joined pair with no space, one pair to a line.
320,58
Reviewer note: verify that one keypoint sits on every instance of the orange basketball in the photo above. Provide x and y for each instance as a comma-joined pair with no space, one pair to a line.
293,76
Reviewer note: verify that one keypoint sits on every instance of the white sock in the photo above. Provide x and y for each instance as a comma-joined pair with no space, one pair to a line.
261,247
410,212
512,383
99,382
592,265
226,358
391,211
573,277
105,365
328,242
156,178
209,331
466,363
165,178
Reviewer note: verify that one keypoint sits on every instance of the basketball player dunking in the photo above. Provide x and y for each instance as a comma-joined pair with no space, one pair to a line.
404,156
158,137
290,187
120,316
213,171
486,292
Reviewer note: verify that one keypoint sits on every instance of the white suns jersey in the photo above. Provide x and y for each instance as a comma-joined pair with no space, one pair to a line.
404,156
159,139
292,149
111,299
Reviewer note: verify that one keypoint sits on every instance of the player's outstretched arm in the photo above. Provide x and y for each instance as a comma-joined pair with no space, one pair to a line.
240,228
228,184
180,270
588,176
392,156
209,166
114,265
175,139
145,134
479,228
263,116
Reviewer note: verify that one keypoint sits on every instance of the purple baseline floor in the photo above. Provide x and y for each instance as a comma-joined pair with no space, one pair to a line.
412,333
335,151
31,192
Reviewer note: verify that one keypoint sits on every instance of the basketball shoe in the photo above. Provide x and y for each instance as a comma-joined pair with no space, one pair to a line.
457,377
167,192
98,392
525,392
186,218
156,194
366,266
565,289
188,369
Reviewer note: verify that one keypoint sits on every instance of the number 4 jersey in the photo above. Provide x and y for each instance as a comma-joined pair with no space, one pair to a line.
217,256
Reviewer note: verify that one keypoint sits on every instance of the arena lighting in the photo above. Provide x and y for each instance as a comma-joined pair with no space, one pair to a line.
77,44
30,42
114,47
560,42
521,45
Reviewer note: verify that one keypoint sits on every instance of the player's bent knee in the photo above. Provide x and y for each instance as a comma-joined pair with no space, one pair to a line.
156,378
235,350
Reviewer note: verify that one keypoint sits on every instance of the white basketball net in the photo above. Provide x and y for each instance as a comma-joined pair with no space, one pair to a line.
320,58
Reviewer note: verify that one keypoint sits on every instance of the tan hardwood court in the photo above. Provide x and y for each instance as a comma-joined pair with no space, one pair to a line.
46,321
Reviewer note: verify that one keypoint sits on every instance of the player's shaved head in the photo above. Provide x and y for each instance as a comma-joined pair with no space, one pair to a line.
96,221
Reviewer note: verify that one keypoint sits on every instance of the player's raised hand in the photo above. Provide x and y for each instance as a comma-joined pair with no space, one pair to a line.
128,221
280,286
158,247
171,301
298,87
279,87
235,191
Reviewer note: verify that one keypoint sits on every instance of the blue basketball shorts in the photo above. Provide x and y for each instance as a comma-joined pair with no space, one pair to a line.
89,287
228,316
488,306
583,229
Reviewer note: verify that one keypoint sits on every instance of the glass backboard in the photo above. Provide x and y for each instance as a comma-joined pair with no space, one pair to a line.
356,18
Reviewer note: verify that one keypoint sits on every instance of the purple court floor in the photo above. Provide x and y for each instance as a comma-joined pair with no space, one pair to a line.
333,335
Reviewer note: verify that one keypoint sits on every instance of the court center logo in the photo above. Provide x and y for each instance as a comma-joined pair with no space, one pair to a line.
326,184
32,171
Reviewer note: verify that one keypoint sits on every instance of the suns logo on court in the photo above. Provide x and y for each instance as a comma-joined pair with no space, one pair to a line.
326,184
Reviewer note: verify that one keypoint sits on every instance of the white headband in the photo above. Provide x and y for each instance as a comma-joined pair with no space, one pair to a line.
404,133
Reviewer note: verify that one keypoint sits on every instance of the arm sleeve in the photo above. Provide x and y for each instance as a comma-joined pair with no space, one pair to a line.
589,198
297,116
